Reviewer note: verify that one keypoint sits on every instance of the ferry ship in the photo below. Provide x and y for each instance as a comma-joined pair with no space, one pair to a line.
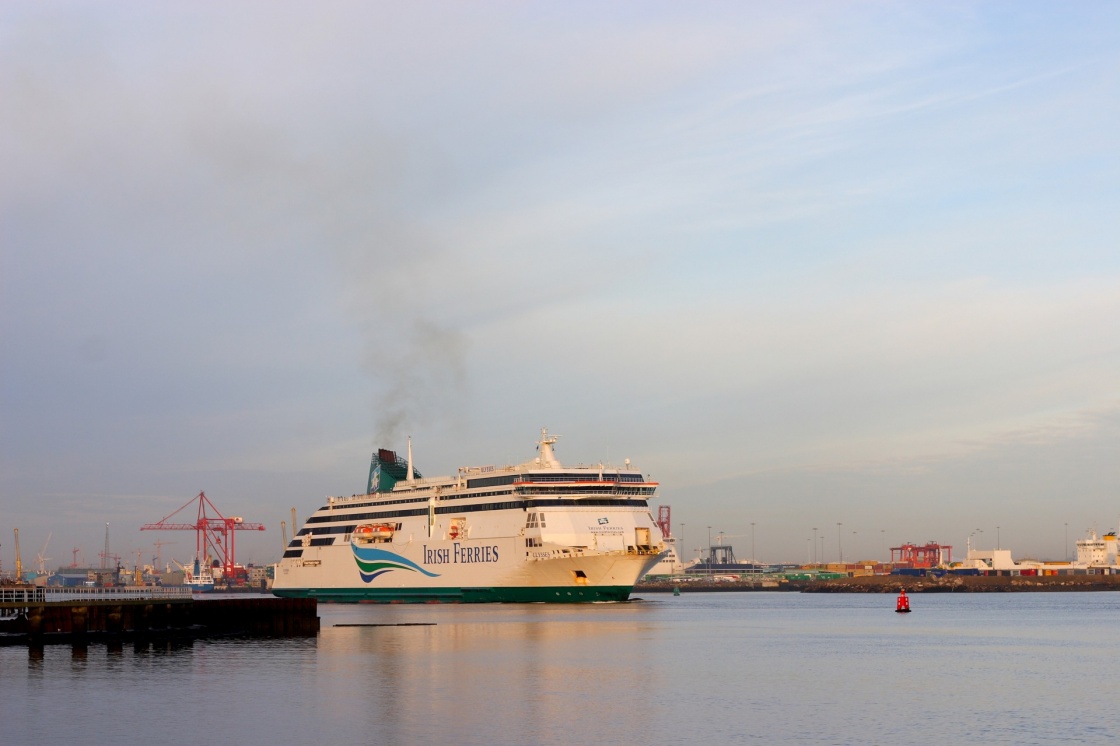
536,532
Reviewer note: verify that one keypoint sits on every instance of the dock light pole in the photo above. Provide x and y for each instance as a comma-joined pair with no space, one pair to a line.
997,537
1066,558
710,557
814,545
754,561
840,541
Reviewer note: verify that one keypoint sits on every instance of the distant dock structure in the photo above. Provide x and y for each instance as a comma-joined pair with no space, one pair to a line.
721,561
924,556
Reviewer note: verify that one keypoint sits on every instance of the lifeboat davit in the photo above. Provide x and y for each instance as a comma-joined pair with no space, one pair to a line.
903,604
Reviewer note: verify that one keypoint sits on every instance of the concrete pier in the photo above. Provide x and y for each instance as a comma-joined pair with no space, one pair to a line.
31,620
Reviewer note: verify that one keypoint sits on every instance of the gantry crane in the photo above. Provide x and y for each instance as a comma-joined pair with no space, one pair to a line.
214,533
665,520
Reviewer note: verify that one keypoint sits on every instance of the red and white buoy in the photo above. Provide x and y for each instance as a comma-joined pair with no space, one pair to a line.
903,605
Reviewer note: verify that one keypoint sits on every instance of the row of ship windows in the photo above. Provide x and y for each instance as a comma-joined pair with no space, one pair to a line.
603,477
580,477
606,489
534,521
346,528
296,550
530,542
328,519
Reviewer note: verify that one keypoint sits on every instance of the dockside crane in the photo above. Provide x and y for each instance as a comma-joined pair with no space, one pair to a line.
157,560
41,557
19,562
214,533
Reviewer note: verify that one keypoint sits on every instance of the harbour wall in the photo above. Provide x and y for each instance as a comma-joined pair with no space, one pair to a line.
892,584
83,621
966,584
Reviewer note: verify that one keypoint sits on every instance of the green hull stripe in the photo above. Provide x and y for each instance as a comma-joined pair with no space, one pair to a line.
553,594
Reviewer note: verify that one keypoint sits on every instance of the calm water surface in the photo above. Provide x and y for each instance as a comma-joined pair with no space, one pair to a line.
1031,668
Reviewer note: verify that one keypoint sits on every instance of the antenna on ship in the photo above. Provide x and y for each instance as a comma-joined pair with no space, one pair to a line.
548,458
410,471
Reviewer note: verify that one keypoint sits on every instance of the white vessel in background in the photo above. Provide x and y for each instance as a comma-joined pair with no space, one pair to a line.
538,531
197,576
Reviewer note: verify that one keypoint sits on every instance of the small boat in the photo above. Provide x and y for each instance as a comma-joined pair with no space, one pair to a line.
197,576
903,604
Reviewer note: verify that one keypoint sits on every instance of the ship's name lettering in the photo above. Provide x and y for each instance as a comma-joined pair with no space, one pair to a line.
458,554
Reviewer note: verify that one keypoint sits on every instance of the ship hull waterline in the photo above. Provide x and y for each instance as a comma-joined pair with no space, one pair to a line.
553,594
588,578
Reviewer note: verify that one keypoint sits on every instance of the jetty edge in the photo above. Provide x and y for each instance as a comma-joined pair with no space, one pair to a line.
35,616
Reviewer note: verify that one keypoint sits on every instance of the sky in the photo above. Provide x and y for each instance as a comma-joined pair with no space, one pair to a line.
844,270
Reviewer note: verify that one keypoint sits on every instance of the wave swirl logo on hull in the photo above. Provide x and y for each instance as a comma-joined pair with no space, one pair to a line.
373,562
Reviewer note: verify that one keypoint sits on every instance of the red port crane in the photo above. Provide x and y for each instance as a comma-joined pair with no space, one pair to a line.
215,533
665,520
930,554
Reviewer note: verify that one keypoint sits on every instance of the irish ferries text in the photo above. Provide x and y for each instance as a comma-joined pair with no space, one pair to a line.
460,555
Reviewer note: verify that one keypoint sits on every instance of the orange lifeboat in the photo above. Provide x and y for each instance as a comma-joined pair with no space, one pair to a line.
370,532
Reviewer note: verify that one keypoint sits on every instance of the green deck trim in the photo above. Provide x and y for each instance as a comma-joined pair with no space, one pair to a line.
549,594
